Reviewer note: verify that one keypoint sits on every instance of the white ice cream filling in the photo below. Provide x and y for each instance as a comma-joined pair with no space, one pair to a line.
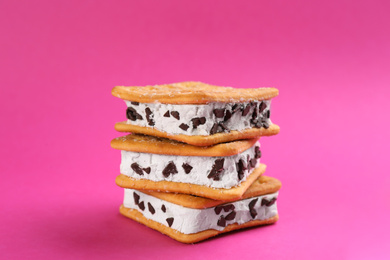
199,119
189,220
158,167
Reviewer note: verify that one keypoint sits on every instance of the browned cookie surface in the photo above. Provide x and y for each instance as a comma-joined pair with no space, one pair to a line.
192,93
201,140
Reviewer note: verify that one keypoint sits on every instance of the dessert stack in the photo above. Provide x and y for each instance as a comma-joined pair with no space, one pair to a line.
191,166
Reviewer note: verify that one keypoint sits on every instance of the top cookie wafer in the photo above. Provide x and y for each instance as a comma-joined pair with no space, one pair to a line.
192,93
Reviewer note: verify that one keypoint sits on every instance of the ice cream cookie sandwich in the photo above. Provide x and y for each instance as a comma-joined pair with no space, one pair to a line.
197,113
222,172
191,219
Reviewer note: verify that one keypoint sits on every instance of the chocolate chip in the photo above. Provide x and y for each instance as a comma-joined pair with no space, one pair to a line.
184,127
254,122
257,152
268,115
148,112
262,106
216,170
167,114
228,207
149,116
198,121
223,127
219,113
136,198
219,164
195,122
254,114
235,108
151,209
187,168
170,221
218,209
214,129
141,205
131,113
231,215
246,110
240,175
253,162
248,162
221,222
228,115
175,114
147,170
134,103
163,208
253,202
241,167
271,202
169,169
137,168
265,202
253,213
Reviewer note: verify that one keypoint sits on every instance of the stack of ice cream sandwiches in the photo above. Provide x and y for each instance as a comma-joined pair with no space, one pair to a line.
191,166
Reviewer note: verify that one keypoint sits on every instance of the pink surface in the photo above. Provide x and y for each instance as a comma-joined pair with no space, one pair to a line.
59,61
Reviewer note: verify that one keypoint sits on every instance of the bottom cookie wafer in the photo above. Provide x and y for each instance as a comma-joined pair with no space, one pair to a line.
190,238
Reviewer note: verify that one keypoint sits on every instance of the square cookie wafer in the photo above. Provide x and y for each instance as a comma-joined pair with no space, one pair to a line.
223,171
191,219
197,113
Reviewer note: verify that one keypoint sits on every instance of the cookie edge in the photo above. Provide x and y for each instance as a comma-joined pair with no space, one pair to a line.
172,147
190,238
201,140
194,96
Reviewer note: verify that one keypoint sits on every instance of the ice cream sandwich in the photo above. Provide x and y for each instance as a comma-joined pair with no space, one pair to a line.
223,171
190,219
197,113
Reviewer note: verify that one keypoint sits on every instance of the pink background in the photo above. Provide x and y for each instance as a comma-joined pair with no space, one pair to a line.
59,61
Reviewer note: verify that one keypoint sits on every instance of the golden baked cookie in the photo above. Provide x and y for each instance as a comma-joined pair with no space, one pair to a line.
168,165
